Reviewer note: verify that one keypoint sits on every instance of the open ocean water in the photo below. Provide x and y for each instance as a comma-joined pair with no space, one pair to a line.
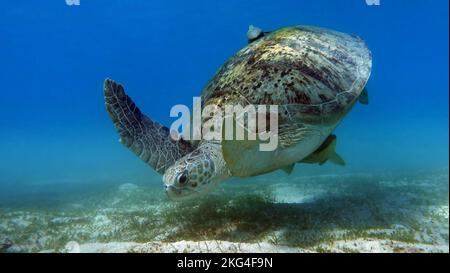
68,185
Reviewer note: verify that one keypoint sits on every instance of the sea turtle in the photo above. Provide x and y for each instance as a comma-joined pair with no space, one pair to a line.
314,75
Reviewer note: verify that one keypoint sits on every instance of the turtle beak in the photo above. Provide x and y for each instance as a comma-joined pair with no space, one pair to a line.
172,192
177,194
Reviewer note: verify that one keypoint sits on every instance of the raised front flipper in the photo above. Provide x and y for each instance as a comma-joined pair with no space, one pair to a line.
147,139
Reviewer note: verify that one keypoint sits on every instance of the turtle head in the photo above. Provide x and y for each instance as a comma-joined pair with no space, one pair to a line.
191,176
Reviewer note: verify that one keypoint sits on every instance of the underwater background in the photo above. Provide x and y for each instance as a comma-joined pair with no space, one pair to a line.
65,177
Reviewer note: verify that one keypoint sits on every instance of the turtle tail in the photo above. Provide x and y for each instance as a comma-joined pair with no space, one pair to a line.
149,140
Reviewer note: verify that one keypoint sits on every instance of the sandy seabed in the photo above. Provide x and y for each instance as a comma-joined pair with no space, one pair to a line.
325,213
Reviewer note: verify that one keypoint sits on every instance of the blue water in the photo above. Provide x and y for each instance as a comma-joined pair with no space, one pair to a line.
54,128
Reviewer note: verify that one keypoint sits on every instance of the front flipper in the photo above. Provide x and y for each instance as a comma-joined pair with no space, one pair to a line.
325,152
147,139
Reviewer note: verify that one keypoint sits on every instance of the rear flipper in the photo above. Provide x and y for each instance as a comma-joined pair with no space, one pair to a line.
364,97
255,33
326,152
147,139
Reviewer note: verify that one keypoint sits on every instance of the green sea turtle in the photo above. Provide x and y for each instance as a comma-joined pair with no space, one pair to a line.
314,75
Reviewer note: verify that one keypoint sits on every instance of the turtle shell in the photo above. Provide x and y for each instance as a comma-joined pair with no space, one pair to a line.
315,75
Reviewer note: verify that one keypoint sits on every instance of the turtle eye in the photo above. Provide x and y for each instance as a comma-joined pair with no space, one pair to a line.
182,179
